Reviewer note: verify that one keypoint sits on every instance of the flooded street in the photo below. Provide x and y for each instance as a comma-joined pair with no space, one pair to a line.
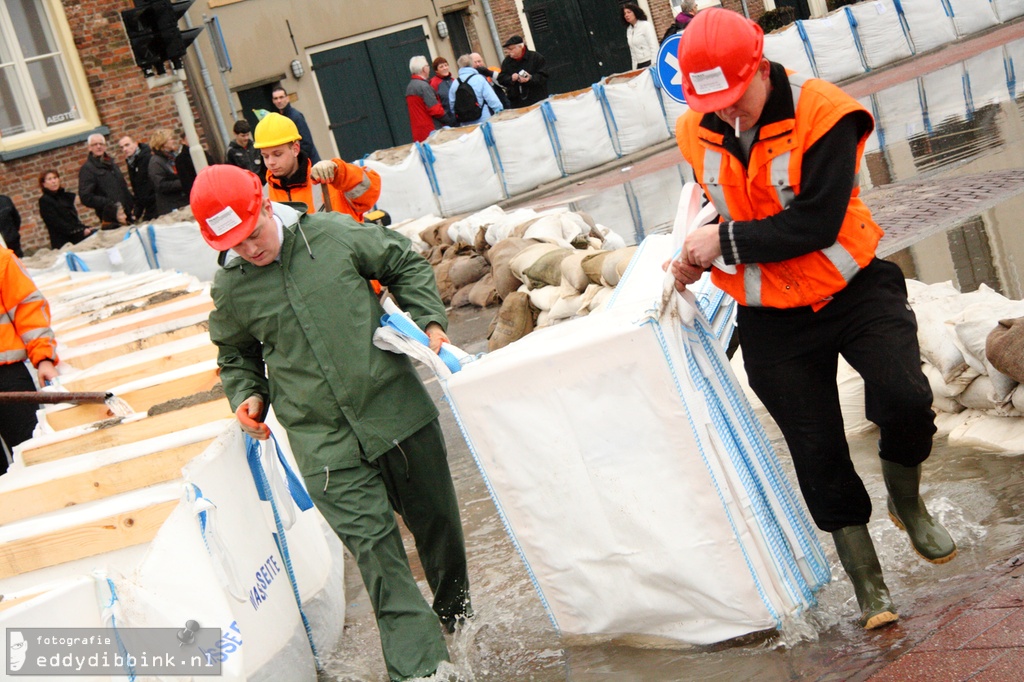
946,127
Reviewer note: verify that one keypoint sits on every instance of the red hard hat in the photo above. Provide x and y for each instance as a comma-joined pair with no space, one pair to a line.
719,53
226,202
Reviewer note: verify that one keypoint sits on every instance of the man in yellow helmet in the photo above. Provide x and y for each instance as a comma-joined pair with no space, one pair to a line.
291,174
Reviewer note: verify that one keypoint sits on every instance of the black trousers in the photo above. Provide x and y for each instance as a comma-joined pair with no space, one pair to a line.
791,357
17,420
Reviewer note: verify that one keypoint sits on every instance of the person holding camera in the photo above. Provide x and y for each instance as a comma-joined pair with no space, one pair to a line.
523,74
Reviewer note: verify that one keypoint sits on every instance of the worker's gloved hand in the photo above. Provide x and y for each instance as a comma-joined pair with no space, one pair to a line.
247,414
437,336
323,171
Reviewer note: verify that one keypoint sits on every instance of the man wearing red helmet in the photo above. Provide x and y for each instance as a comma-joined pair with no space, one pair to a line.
294,322
778,155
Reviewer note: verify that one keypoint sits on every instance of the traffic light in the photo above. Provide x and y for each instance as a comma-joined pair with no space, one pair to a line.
152,28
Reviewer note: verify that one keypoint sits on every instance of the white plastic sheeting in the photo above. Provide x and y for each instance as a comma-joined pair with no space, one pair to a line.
878,27
971,16
181,247
787,48
833,49
581,131
405,190
637,118
524,147
1008,9
929,22
464,173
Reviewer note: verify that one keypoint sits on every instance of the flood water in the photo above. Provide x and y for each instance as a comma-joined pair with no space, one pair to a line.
953,123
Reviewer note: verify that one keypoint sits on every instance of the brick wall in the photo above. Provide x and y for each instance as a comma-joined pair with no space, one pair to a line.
506,18
125,105
755,7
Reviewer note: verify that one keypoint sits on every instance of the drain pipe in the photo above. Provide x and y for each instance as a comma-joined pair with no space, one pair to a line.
493,27
221,127
746,10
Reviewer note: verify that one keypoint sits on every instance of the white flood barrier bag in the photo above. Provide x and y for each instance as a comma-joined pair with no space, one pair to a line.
972,16
929,23
128,256
1008,9
181,247
524,165
635,112
464,174
405,188
787,47
634,479
880,32
833,49
581,131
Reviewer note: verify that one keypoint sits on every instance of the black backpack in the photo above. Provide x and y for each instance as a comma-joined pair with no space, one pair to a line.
466,109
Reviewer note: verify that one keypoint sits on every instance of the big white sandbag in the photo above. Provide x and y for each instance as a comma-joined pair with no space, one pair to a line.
971,16
944,95
405,188
465,175
180,247
899,112
882,37
1008,9
987,78
929,22
832,47
672,109
581,131
638,121
787,47
524,166
128,255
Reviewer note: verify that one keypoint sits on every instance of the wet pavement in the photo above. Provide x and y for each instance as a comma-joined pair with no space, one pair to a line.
943,171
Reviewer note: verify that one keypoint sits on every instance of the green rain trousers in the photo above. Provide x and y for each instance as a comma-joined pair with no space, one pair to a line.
359,502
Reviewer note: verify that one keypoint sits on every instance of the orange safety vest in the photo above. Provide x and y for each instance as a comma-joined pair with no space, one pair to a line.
769,184
354,190
25,331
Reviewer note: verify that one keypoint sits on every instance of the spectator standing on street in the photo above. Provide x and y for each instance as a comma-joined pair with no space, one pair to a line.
480,65
426,114
102,187
640,35
136,157
285,108
10,225
484,102
523,74
58,211
688,9
442,82
163,171
243,153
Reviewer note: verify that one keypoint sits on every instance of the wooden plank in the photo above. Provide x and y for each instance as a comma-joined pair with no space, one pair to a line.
129,432
200,307
113,532
96,357
98,483
54,291
121,309
159,365
140,400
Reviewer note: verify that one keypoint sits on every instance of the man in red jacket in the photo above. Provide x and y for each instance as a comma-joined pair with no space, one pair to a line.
426,114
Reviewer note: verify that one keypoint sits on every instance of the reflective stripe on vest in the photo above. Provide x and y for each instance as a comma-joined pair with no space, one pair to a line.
713,160
360,189
7,357
33,334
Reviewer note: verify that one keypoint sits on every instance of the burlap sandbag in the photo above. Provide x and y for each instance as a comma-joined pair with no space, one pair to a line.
435,254
547,270
527,257
467,269
593,264
1004,348
500,256
519,230
573,275
614,265
514,320
444,282
461,297
482,293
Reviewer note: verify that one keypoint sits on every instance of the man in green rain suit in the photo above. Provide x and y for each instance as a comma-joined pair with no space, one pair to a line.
294,322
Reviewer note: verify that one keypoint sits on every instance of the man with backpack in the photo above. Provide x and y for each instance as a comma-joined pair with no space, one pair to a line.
471,97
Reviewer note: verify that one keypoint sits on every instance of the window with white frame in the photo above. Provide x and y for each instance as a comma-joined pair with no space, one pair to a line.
36,93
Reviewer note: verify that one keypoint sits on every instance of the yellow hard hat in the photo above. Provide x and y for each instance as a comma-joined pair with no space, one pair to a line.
275,129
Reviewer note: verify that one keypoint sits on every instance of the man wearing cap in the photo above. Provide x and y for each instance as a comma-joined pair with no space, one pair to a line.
778,155
294,323
283,104
523,74
291,174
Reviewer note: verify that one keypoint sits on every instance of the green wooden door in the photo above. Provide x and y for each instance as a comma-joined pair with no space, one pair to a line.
602,19
390,55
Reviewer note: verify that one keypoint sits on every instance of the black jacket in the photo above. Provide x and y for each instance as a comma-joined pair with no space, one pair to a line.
167,183
248,158
10,225
101,187
61,217
142,186
524,94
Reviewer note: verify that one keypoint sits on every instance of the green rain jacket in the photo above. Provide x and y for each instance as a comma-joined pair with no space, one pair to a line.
308,319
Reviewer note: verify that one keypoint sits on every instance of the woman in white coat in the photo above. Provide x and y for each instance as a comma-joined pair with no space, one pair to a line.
643,42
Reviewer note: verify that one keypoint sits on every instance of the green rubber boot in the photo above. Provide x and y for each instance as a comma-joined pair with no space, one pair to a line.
906,509
857,554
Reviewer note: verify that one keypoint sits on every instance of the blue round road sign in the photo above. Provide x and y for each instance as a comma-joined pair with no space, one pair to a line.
669,74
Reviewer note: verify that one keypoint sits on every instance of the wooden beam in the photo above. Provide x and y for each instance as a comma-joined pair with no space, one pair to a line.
96,357
159,365
139,400
104,481
121,309
113,532
71,284
129,432
129,325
